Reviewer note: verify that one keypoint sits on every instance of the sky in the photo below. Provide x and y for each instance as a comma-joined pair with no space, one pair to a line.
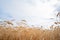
36,12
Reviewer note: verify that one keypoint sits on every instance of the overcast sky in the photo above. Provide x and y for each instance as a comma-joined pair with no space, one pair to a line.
34,11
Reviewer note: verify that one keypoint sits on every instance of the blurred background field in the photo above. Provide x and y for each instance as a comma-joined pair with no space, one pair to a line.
9,31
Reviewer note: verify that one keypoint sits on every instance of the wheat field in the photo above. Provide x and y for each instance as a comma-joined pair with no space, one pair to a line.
27,33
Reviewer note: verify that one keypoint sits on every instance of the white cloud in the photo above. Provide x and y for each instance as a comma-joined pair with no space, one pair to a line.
28,9
35,8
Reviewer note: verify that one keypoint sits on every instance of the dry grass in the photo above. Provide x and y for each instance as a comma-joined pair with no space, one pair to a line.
27,33
24,33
